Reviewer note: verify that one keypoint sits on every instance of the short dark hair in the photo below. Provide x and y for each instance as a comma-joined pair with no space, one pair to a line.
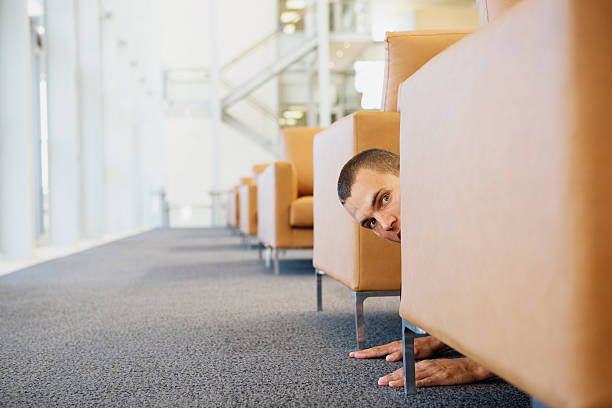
379,160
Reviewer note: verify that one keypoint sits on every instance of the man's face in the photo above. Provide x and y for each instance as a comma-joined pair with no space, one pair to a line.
375,203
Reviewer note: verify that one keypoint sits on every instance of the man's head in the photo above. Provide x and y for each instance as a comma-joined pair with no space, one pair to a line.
369,189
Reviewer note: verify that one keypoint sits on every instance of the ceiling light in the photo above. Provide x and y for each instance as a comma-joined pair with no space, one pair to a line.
339,54
291,122
295,4
289,28
293,114
347,44
289,17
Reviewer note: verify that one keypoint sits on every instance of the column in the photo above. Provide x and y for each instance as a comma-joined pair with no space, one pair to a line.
215,104
16,147
91,125
63,123
323,51
310,31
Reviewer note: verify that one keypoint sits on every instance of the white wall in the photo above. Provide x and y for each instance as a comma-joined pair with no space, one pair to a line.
187,138
16,145
133,127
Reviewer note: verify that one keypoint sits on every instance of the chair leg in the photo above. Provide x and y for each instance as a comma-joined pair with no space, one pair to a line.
359,319
535,403
408,343
276,262
267,256
259,250
318,275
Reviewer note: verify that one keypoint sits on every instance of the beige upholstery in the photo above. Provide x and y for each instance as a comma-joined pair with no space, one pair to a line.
506,183
300,213
297,148
248,202
407,51
232,207
280,184
352,255
248,208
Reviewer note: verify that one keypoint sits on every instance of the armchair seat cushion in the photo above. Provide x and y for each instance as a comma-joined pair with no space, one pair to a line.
300,213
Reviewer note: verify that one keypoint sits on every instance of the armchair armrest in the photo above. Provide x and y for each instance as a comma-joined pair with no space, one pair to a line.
276,189
341,249
248,208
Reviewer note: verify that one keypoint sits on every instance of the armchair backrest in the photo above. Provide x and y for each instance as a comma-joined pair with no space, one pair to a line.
296,147
406,52
258,169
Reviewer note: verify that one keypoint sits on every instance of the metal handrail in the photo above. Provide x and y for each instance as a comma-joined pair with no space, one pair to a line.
255,103
250,49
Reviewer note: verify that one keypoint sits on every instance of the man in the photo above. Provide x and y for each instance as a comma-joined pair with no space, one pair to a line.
369,189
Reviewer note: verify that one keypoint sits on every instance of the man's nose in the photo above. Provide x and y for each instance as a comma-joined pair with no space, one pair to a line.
387,222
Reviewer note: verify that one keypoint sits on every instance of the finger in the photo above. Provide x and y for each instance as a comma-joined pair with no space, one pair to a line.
397,356
397,383
367,353
394,376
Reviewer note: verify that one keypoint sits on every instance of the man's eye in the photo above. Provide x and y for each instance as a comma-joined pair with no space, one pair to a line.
371,223
385,199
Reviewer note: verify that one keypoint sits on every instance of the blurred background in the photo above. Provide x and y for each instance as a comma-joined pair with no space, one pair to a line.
124,115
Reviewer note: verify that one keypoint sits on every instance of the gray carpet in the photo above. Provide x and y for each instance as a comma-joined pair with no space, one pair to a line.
189,318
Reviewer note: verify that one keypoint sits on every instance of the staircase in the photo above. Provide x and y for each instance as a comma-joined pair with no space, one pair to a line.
186,90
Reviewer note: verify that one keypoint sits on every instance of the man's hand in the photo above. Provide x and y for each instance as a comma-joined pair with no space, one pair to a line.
444,371
424,347
392,350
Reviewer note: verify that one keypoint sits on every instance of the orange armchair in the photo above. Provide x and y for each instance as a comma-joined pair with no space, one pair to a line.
248,205
506,200
355,257
284,195
232,205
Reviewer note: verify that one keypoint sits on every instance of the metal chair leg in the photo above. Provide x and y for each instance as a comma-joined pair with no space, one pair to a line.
267,256
408,343
276,262
535,403
259,250
359,319
318,275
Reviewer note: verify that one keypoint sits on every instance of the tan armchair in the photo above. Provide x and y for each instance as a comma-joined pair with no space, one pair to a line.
231,208
506,183
355,257
248,205
232,205
284,195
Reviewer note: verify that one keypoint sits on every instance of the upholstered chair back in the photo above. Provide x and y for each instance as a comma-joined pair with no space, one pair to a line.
399,64
258,169
296,147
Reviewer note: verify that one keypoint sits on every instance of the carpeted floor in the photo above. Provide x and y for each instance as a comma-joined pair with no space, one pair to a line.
187,317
